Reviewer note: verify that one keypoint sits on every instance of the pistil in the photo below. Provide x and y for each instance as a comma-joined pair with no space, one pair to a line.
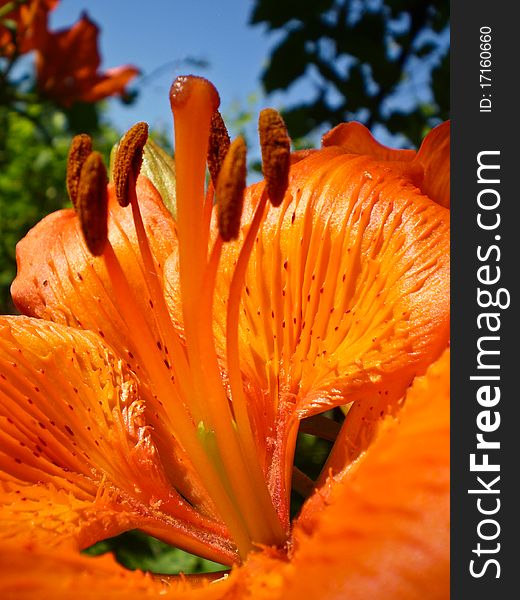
242,471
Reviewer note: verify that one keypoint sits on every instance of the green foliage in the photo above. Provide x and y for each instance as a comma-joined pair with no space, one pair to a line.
33,155
135,550
159,167
359,54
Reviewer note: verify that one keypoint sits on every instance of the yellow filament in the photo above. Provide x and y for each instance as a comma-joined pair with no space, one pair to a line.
242,467
181,423
170,336
235,375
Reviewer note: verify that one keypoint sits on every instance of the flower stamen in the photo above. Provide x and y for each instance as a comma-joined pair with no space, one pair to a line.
218,146
128,162
210,421
79,151
127,165
179,412
92,203
276,154
230,188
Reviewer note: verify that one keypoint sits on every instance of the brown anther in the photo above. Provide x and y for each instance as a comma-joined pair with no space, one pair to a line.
129,158
231,184
92,203
80,148
218,146
276,153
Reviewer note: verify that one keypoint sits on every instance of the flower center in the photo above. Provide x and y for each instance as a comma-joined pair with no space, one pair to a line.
208,416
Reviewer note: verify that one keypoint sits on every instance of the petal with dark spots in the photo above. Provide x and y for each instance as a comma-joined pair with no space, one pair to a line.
77,460
379,529
382,528
347,287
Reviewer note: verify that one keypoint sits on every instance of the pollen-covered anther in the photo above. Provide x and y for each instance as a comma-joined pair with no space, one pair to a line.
92,203
231,184
80,148
276,154
129,158
218,145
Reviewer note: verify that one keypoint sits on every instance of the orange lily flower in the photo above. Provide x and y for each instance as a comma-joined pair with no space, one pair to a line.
164,366
67,64
30,19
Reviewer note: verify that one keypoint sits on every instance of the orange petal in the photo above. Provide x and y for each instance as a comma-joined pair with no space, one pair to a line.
110,83
434,156
28,571
380,529
386,531
60,281
67,66
355,138
67,59
75,449
52,516
61,574
31,26
347,290
346,294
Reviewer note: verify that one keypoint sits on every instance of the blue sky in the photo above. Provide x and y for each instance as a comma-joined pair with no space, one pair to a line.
157,34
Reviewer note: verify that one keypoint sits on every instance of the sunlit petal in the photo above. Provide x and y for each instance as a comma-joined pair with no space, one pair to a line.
59,280
346,292
30,571
75,449
434,156
386,531
355,138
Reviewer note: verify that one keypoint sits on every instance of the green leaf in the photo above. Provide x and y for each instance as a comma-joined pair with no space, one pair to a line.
136,550
159,167
289,61
277,14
